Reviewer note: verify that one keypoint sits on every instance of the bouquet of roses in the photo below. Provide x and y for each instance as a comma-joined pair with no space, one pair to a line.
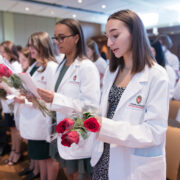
71,128
13,80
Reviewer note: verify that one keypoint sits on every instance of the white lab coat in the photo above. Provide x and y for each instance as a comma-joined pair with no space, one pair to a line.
137,132
171,59
79,87
17,106
101,65
172,80
32,124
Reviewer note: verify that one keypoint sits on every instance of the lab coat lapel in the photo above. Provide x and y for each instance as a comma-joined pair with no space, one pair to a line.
134,86
104,102
69,73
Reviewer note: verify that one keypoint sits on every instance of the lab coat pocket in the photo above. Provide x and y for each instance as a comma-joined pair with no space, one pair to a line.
147,168
134,114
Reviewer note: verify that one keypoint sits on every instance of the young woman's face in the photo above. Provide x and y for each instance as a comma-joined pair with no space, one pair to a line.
65,39
118,38
23,61
4,54
33,51
89,53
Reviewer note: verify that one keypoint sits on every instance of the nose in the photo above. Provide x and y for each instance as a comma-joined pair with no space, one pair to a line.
109,42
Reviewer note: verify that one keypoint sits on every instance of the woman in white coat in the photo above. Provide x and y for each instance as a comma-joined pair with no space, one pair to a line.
10,55
33,125
160,58
94,54
77,86
131,142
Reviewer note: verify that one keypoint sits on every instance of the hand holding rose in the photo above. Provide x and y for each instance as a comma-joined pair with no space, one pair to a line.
71,128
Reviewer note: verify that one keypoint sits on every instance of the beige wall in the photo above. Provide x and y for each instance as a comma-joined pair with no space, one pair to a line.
1,26
18,27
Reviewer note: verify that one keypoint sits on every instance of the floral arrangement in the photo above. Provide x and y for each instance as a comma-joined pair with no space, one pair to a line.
13,80
71,128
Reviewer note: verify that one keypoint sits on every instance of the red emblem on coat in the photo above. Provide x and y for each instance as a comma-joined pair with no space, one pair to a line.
139,99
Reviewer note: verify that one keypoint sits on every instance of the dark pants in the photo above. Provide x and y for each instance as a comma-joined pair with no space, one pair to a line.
3,136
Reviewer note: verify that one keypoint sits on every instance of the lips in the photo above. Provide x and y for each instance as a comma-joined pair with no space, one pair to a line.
115,50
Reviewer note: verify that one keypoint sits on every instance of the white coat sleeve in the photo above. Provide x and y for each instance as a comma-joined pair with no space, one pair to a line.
177,91
151,131
89,92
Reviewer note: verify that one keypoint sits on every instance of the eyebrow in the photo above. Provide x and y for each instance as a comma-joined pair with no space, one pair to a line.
111,30
59,35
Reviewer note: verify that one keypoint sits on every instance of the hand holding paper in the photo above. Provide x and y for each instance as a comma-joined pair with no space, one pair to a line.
27,80
46,95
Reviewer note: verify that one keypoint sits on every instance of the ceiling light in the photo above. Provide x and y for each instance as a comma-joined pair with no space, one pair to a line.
79,1
74,15
103,6
26,8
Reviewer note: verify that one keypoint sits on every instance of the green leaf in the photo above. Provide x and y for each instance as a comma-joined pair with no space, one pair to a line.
16,81
87,115
82,132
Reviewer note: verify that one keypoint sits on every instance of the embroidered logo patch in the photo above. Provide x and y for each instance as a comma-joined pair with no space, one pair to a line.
139,99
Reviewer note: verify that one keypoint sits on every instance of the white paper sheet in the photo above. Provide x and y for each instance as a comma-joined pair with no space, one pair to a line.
27,80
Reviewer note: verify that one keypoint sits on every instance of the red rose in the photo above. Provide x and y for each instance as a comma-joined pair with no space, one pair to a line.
91,124
69,138
5,71
64,125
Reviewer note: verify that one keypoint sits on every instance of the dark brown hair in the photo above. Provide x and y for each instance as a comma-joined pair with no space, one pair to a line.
141,49
94,47
11,50
75,28
43,44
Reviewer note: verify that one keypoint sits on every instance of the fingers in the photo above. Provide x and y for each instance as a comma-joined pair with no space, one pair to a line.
19,100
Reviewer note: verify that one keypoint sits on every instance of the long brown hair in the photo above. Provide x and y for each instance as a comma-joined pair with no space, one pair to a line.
141,49
94,47
11,50
43,44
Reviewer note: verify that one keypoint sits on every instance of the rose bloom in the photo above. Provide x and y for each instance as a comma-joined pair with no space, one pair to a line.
5,71
64,125
91,124
69,138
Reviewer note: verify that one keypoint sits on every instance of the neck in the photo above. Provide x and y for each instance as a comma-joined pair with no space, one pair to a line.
70,58
128,60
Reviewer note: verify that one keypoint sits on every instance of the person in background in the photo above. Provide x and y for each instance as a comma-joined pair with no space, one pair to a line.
131,142
94,55
160,58
77,86
33,125
27,63
171,59
10,55
3,136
